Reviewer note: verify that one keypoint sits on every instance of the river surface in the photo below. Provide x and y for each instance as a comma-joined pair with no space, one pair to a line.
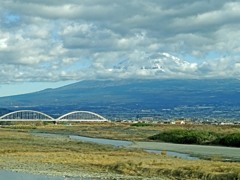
204,151
184,151
11,175
119,143
112,142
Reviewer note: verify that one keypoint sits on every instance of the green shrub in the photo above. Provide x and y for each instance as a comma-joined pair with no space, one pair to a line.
230,140
184,136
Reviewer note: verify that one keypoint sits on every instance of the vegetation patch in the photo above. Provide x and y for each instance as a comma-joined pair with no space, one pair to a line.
201,137
141,124
229,140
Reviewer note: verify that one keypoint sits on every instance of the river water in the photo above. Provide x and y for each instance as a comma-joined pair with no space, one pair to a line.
11,175
122,143
112,142
118,143
184,151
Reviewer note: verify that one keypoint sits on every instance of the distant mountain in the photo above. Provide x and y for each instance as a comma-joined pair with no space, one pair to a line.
161,61
4,111
131,94
160,65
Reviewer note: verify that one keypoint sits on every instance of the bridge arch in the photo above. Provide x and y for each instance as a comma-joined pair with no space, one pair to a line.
82,116
26,115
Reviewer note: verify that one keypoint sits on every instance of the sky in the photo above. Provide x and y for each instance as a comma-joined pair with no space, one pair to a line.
47,44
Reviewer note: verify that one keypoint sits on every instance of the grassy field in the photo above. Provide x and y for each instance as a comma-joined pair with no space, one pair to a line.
57,155
126,131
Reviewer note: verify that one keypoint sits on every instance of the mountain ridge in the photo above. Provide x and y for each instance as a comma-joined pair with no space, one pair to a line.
129,88
193,98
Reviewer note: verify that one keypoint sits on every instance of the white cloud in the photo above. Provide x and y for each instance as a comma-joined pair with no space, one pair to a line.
58,40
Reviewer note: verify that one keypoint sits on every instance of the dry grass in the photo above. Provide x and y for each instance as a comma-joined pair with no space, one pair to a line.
20,150
123,131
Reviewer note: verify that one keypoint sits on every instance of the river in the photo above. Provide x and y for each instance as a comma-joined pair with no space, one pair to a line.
184,151
177,150
11,175
120,143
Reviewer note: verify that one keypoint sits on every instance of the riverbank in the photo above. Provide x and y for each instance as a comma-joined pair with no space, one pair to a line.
36,172
22,151
118,143
184,151
130,132
202,151
61,156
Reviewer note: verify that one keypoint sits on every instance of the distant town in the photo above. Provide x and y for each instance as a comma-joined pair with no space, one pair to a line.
214,115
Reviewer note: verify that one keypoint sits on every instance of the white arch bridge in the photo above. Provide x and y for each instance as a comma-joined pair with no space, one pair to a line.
30,115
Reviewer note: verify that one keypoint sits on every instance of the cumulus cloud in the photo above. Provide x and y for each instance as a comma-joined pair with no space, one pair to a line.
74,40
